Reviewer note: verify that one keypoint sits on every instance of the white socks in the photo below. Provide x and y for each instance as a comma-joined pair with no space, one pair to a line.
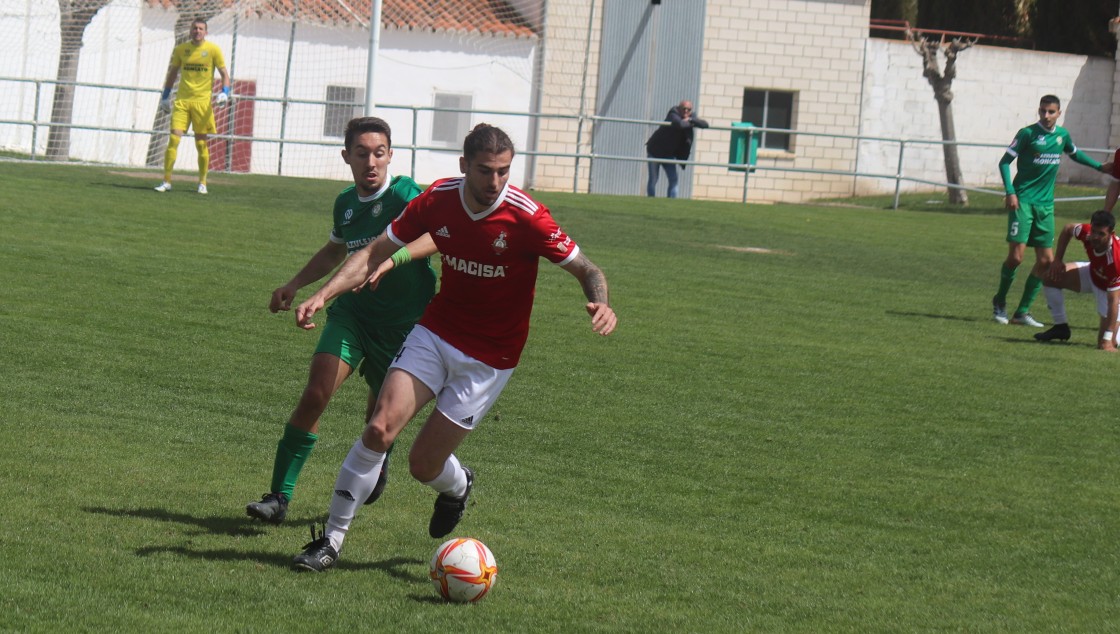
357,478
452,480
355,482
1056,302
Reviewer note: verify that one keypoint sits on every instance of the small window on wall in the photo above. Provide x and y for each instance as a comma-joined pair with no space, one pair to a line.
770,109
451,128
342,106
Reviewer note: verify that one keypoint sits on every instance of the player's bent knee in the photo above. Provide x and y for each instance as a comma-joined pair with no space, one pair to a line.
377,437
423,470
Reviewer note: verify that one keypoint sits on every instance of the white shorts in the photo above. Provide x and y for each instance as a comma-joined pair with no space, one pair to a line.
465,387
1087,283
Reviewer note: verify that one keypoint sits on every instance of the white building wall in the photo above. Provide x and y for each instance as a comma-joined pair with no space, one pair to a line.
129,45
995,93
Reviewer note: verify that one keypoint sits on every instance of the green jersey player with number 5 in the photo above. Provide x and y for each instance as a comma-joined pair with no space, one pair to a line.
365,329
1037,151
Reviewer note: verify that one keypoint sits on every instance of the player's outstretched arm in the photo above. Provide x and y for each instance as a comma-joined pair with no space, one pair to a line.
324,261
594,283
421,247
355,271
1085,159
1112,194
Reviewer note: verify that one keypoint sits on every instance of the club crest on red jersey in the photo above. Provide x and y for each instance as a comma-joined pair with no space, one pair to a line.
500,244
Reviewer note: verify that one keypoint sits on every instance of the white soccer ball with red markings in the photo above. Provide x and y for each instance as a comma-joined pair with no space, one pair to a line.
463,570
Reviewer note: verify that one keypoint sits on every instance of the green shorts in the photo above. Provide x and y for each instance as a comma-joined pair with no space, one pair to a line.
370,350
1031,224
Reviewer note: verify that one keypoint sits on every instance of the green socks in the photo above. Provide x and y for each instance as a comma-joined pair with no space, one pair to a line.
291,452
1006,277
1030,291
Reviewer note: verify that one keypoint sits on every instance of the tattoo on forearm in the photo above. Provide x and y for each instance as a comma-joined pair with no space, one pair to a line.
595,286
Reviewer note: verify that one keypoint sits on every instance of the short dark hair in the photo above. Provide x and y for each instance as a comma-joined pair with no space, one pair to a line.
1050,99
361,125
1103,218
201,21
486,138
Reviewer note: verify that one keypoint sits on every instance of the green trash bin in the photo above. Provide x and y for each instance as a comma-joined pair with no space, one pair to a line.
743,153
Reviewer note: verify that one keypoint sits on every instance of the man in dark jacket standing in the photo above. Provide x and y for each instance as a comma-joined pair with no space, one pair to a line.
673,141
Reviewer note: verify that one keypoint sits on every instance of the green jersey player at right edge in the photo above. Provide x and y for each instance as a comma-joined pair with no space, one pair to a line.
1037,152
365,329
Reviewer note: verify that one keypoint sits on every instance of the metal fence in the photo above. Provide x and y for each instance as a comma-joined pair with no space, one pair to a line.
898,177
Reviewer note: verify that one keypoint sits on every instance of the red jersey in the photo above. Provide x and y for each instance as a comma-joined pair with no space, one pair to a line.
489,270
1104,268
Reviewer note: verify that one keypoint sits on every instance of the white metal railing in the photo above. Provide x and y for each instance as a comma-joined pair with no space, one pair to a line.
898,176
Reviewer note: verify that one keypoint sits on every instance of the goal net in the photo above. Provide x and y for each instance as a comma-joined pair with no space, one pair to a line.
83,77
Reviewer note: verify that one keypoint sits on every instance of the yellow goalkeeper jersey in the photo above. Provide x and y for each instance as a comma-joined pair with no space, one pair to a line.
196,64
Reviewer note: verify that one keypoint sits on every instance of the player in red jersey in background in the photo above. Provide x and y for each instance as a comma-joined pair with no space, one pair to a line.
490,236
1100,275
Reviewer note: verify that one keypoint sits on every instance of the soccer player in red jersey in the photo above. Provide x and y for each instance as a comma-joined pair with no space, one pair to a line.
1100,275
490,236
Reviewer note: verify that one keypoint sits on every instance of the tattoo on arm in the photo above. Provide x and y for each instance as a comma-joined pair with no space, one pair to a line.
593,281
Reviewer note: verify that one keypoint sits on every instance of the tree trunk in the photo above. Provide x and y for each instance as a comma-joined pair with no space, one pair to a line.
953,174
62,109
942,84
74,17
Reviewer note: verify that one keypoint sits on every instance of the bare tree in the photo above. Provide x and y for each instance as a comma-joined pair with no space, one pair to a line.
74,17
942,83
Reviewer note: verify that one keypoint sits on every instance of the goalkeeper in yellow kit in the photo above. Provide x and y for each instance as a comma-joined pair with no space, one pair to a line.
197,59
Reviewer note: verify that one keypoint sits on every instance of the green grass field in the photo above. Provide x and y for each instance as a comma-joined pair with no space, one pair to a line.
826,436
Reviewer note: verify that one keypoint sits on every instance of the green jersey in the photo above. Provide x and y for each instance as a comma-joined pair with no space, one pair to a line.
1037,153
403,294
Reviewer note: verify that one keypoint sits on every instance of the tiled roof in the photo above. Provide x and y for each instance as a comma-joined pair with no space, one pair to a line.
491,17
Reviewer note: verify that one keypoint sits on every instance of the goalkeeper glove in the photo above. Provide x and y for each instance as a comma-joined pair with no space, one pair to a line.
165,102
223,96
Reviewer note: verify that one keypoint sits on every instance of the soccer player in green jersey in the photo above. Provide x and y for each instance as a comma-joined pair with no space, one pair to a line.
1037,152
198,59
364,329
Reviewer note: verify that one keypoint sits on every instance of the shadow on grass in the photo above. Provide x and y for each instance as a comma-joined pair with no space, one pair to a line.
899,313
1052,344
434,600
1020,329
218,525
396,567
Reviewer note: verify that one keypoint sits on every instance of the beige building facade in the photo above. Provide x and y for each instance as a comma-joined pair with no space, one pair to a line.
812,49
841,83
